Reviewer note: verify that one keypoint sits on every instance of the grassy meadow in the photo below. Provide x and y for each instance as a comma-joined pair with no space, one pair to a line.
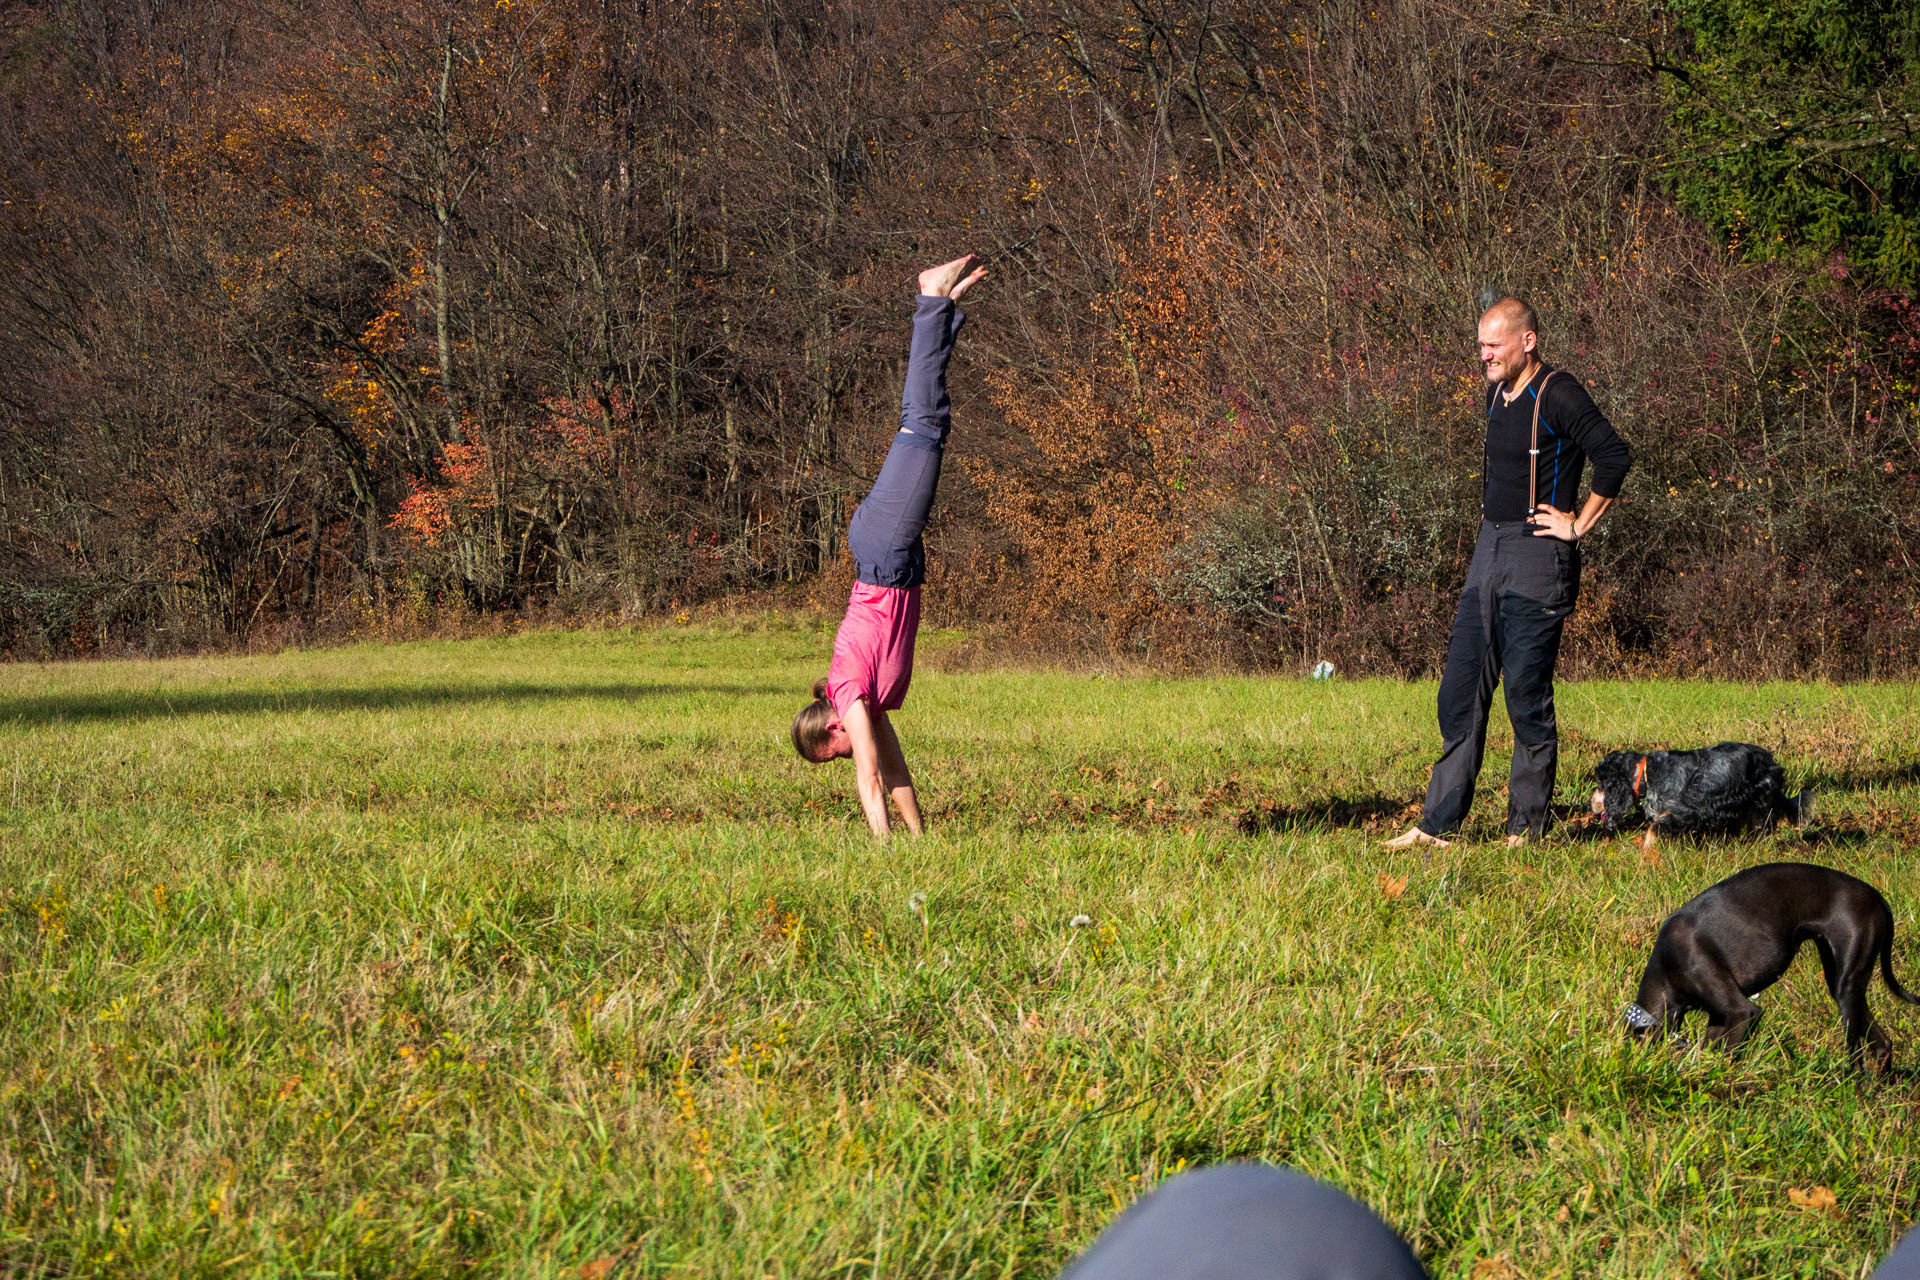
545,956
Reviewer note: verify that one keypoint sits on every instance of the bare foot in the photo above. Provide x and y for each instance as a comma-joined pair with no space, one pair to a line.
1415,836
1516,840
951,279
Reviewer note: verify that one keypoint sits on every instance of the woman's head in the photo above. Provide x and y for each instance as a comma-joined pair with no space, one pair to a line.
814,729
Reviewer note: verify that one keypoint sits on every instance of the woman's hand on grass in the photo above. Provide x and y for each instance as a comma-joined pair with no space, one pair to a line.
867,773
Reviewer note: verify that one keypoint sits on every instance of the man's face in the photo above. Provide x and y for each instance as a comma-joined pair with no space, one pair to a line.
1504,347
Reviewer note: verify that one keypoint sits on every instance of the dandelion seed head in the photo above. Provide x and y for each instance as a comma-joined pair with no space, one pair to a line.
1079,922
918,902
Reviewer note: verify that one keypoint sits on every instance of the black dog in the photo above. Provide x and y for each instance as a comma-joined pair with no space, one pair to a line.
1739,936
1729,787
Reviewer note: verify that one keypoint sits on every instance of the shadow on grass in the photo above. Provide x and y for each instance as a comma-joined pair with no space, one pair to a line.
1577,824
1365,813
1838,837
1580,827
1866,779
149,703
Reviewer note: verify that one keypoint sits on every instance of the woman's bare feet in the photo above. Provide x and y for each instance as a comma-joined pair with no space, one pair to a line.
951,279
1415,836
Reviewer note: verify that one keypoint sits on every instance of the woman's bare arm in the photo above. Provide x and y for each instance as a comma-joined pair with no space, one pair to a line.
868,776
894,773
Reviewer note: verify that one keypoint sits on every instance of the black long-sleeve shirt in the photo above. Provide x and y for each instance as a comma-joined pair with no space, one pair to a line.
1572,430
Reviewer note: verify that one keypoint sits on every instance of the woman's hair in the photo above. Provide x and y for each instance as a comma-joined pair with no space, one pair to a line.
810,726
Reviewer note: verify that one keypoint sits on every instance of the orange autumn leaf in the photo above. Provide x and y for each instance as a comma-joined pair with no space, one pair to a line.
1392,886
599,1268
1817,1199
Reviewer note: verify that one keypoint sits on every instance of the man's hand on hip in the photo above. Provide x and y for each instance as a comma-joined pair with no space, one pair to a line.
1551,522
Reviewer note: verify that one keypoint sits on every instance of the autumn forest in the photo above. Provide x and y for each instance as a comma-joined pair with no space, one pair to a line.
323,320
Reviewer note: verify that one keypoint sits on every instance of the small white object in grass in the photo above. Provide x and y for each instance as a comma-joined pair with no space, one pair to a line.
1079,922
917,902
1323,670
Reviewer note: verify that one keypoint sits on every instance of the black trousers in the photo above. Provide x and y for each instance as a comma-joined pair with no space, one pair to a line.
1520,591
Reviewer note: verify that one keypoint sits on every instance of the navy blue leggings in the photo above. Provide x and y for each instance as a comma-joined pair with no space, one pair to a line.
885,534
1247,1222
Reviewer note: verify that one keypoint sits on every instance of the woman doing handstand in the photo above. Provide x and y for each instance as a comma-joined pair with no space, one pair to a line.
873,652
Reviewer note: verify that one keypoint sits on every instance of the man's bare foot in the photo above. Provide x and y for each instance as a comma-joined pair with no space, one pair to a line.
951,279
1415,836
1516,840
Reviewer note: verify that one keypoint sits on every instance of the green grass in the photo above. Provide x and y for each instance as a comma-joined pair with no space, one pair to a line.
517,956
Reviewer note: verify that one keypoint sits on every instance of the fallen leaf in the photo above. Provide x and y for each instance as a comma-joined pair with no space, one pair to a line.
599,1268
1392,886
1817,1199
1497,1267
1564,1214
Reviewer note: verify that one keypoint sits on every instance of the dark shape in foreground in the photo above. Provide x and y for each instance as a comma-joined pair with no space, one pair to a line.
1736,938
1247,1222
1259,1222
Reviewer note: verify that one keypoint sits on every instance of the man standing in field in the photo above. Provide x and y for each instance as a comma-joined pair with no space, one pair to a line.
1542,427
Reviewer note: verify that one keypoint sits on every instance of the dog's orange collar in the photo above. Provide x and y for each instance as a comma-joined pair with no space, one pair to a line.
1640,775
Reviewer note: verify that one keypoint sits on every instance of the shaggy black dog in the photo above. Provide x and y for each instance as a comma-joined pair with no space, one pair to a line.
1737,937
1734,786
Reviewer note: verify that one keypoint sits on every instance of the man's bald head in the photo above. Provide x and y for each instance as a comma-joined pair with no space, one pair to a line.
1514,314
1509,336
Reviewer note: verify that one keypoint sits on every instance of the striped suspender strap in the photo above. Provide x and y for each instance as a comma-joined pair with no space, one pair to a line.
1533,448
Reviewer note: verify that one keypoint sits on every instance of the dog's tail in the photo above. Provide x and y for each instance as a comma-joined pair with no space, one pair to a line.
1886,971
1802,807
